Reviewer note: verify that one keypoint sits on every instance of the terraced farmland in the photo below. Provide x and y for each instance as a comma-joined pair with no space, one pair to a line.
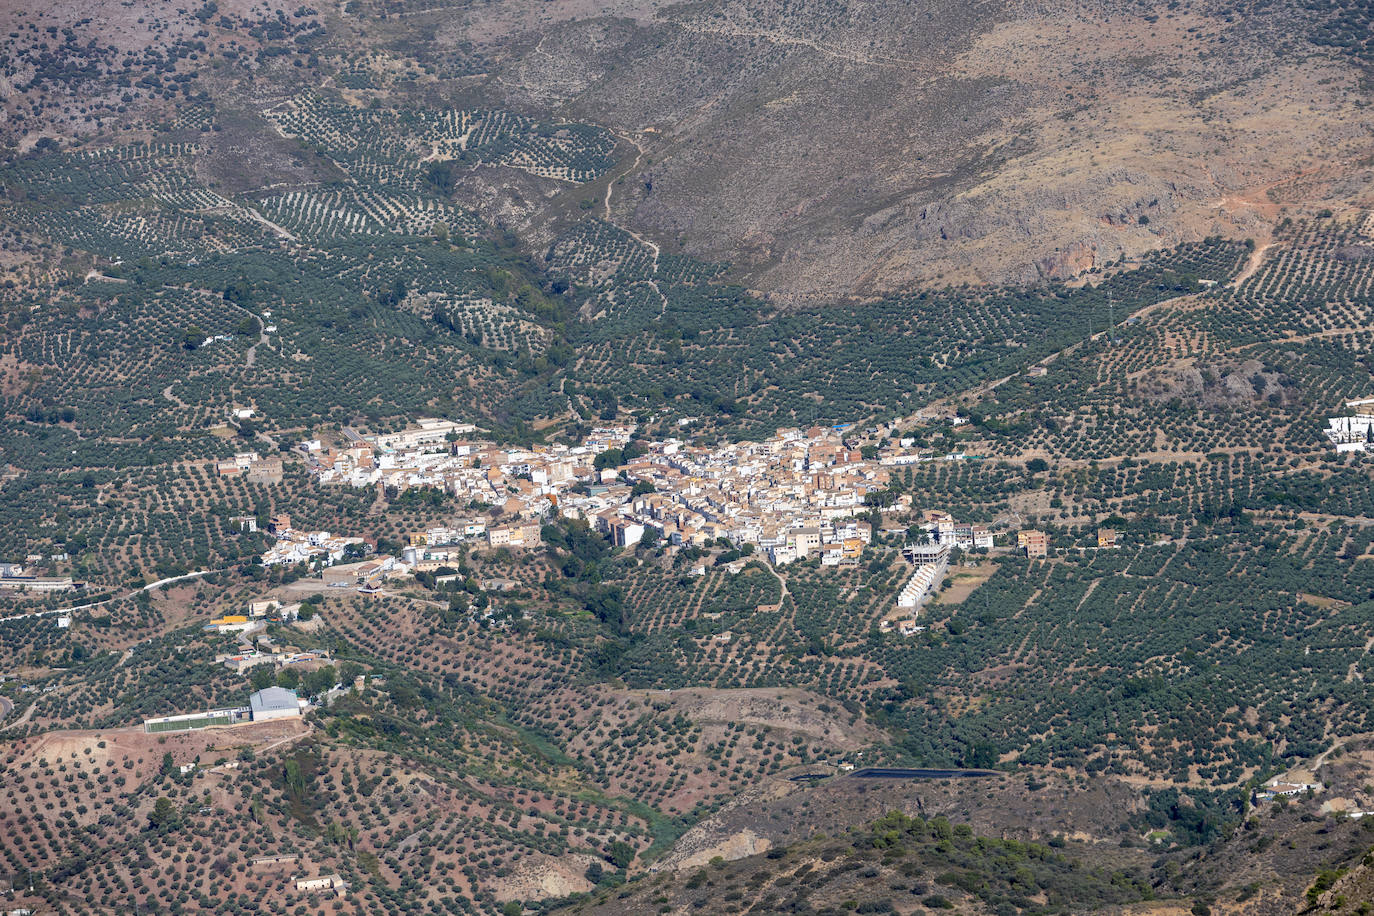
394,148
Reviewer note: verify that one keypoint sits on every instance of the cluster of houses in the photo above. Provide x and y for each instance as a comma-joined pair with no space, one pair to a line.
294,546
939,535
793,496
798,495
941,528
258,612
252,467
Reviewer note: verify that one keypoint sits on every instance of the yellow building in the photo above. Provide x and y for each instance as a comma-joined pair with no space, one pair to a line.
229,622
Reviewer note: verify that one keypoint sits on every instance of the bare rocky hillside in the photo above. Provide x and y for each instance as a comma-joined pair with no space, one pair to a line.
833,149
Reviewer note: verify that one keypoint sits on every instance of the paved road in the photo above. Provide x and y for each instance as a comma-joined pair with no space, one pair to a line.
7,708
81,607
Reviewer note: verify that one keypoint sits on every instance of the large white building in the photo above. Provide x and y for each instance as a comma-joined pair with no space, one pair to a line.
274,703
425,432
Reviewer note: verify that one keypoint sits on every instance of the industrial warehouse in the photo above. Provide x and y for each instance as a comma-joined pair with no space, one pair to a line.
267,704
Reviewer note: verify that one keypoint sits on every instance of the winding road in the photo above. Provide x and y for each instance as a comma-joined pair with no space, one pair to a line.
104,601
606,206
7,707
167,393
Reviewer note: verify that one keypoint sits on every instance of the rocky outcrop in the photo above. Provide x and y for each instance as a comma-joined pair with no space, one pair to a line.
1215,385
1077,258
541,877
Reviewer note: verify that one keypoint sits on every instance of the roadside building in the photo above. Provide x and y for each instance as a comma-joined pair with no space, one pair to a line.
37,583
262,607
426,433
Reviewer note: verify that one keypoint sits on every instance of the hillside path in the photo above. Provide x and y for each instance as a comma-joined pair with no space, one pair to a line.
1252,265
782,38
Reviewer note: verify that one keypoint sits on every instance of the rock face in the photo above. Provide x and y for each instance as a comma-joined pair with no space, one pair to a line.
545,877
724,834
735,846
1078,258
779,812
1353,252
